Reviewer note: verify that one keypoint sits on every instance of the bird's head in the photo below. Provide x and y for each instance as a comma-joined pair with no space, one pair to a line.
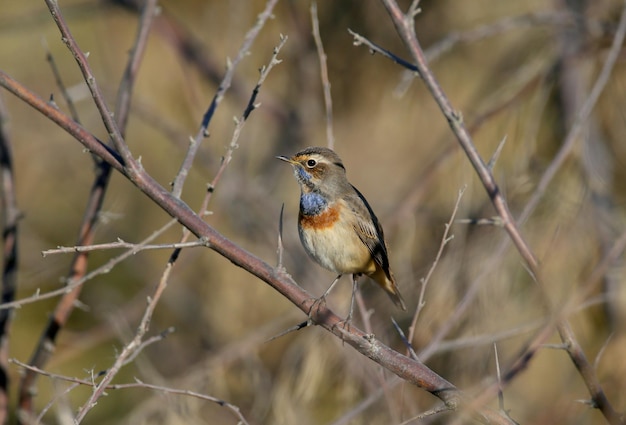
318,169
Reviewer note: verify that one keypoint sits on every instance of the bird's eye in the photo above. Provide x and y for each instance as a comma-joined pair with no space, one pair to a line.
311,163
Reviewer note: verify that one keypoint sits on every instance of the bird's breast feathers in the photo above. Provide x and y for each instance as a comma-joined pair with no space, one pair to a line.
333,242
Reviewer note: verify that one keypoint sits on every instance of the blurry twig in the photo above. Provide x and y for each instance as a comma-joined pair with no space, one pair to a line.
498,378
496,154
506,24
405,340
10,218
279,248
328,102
572,136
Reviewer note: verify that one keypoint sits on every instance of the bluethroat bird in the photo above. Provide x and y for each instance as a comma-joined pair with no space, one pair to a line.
337,226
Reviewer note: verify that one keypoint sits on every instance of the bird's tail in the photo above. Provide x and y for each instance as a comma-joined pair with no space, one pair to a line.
388,283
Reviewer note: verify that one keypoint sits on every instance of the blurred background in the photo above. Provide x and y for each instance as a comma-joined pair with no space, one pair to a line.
518,71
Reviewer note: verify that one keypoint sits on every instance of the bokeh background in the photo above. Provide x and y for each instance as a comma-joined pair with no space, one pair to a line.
523,79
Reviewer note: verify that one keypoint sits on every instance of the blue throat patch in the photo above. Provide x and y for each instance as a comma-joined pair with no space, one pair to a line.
302,175
312,203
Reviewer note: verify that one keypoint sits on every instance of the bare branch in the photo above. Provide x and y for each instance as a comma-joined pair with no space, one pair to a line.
120,244
424,282
136,384
105,268
105,113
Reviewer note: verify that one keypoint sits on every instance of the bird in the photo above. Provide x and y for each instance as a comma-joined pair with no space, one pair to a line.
336,224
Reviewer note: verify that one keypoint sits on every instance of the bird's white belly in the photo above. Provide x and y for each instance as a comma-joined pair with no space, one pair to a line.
338,249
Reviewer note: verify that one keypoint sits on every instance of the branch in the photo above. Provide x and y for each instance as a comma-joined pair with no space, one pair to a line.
120,244
137,384
105,113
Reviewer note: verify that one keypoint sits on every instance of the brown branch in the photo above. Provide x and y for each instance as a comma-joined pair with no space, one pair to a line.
106,114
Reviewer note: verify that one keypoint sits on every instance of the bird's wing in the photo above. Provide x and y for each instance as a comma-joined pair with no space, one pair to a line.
370,231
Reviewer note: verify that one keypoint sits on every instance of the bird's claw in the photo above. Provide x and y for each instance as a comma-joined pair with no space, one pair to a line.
315,306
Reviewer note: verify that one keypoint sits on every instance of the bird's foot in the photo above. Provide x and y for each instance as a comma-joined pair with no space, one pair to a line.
317,302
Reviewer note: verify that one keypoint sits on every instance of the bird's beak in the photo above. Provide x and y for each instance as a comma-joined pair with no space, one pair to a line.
286,159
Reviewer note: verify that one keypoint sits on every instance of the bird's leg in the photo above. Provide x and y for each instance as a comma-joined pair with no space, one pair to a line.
348,320
322,299
355,286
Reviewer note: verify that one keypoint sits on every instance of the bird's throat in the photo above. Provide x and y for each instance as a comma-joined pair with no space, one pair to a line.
312,203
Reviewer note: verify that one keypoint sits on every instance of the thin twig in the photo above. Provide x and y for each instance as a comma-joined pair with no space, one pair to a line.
424,281
375,48
137,384
583,115
59,82
195,142
120,244
280,248
328,101
129,349
105,268
125,90
504,25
